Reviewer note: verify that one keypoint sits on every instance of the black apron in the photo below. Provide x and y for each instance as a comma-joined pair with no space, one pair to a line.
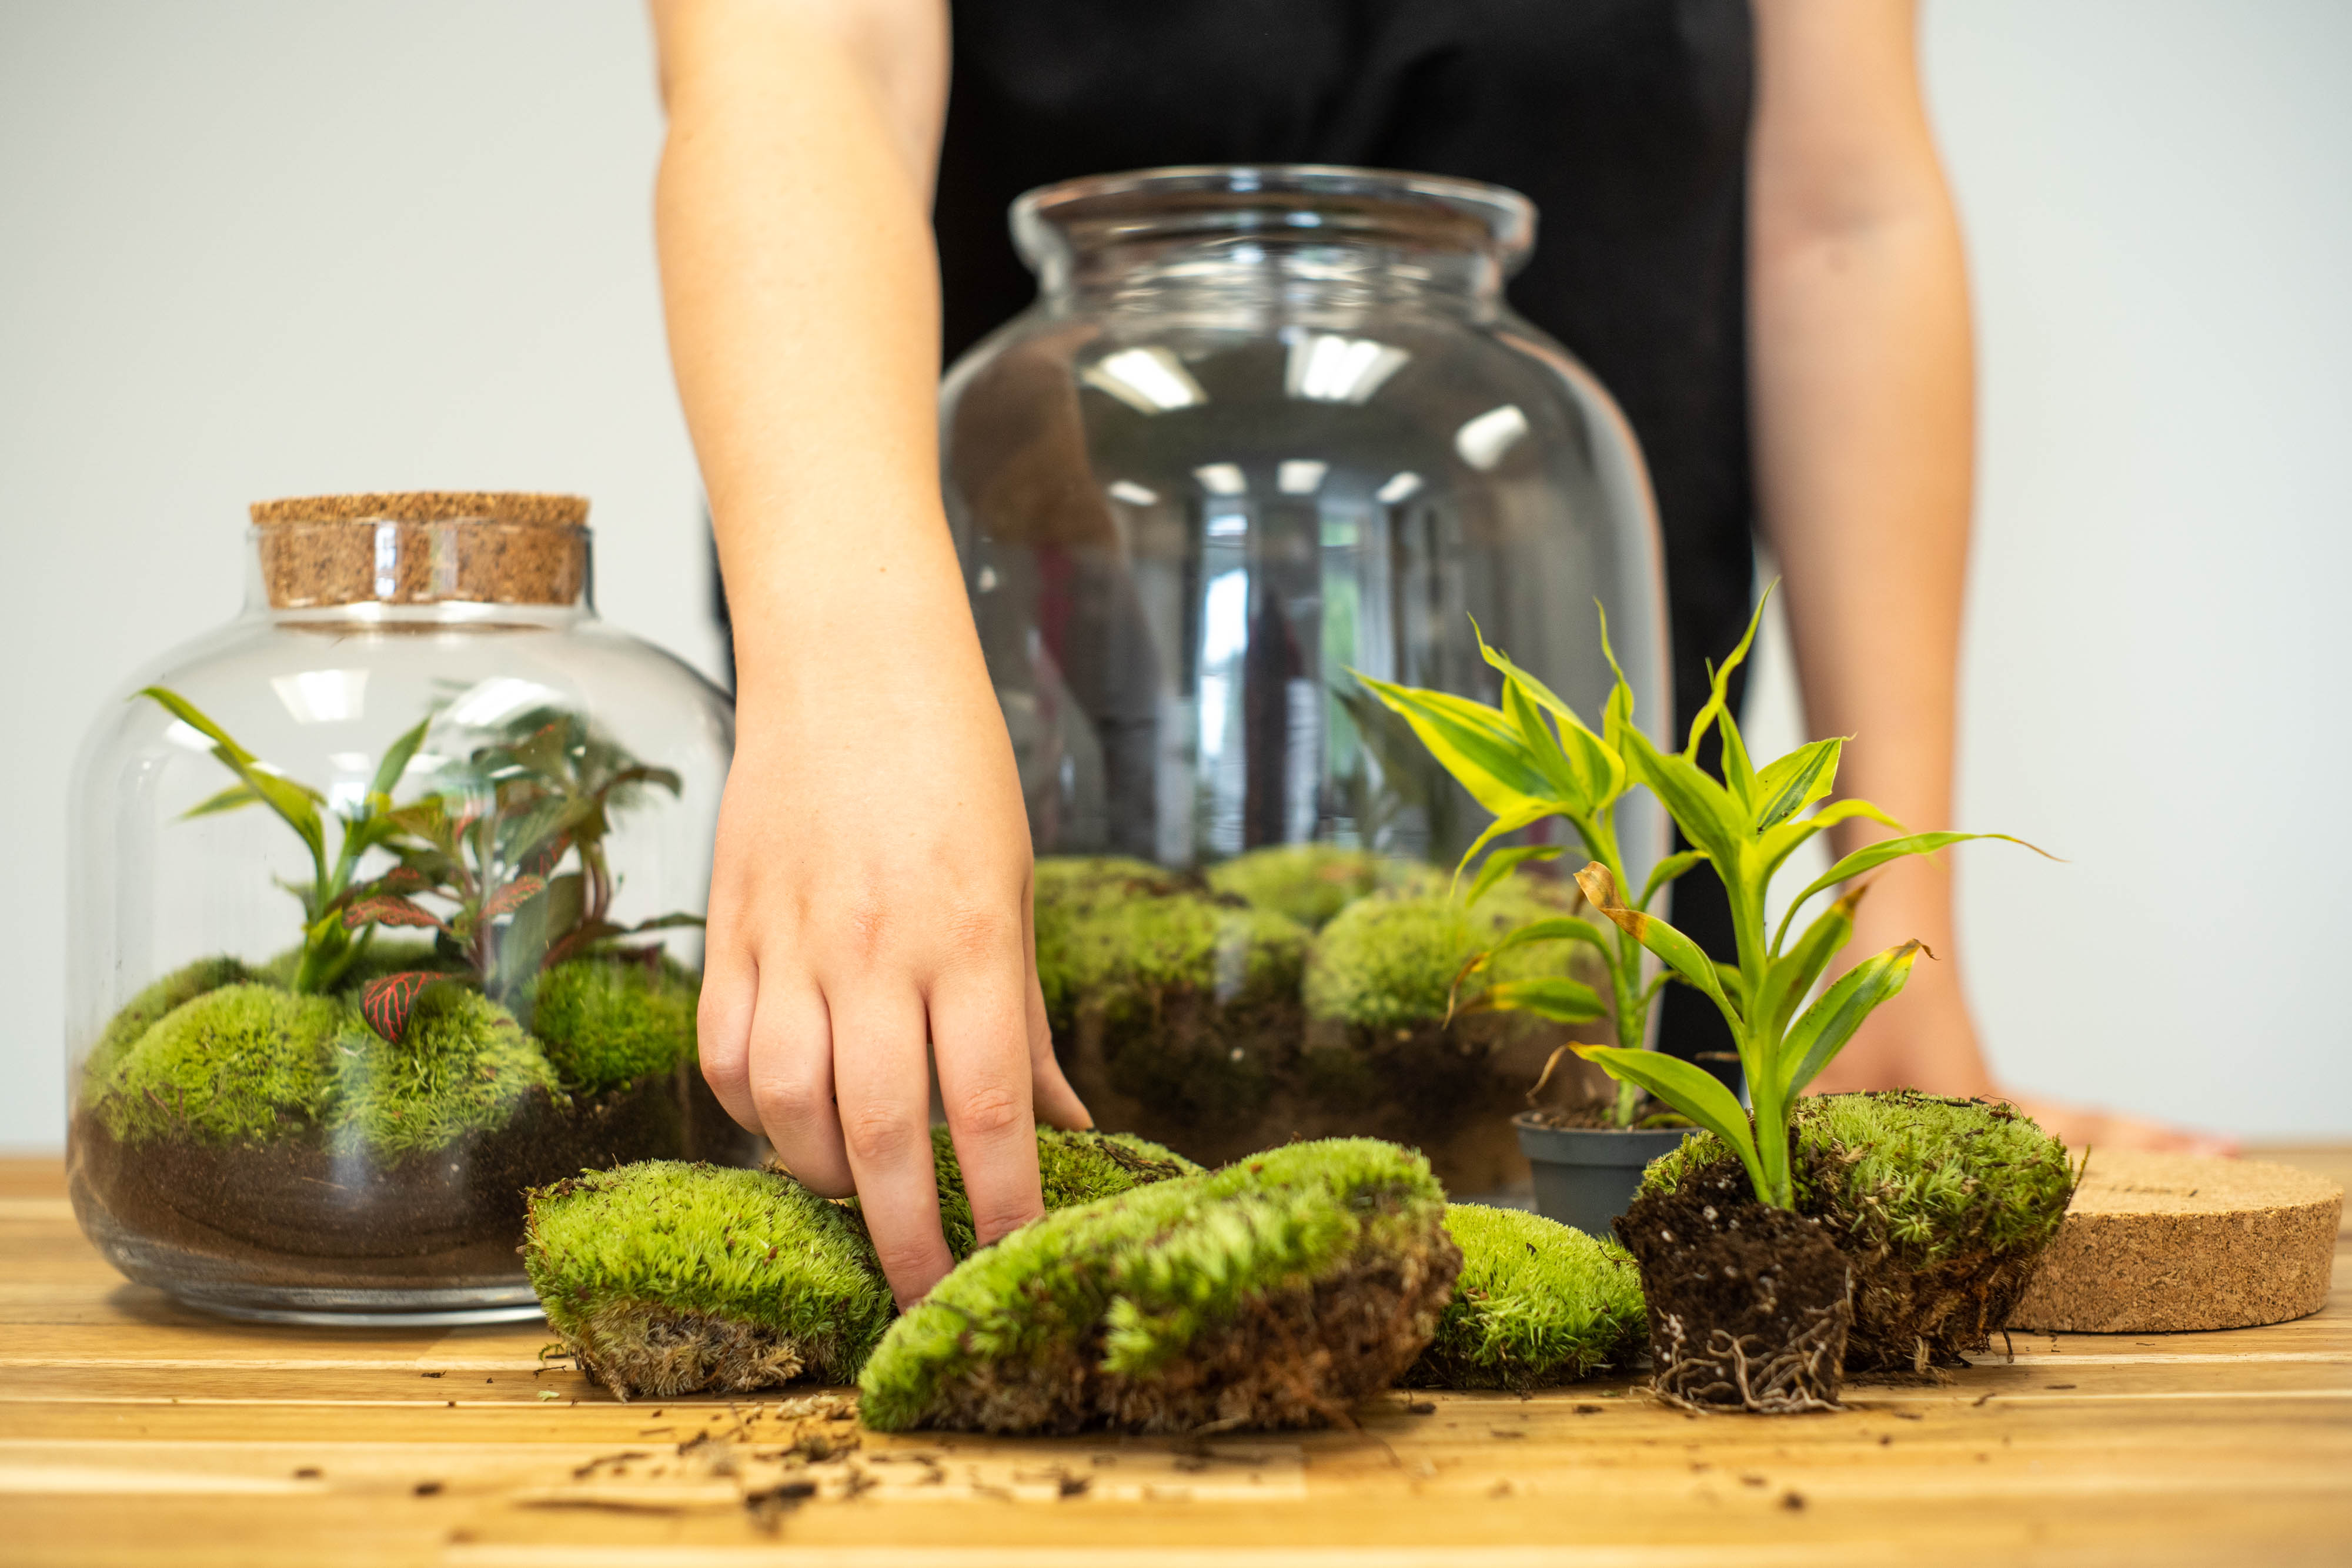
1625,121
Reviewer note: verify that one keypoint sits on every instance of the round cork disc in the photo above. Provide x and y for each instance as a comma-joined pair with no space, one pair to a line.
2159,1243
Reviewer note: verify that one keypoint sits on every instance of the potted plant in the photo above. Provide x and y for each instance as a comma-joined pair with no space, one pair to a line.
1530,760
1751,1301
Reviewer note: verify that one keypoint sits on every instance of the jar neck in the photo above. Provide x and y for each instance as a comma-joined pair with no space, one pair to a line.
1286,276
1296,238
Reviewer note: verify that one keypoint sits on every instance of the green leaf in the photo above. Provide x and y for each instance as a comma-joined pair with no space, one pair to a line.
667,923
1666,870
392,764
1503,863
1688,1088
1826,1027
1871,856
229,799
1556,929
1527,815
1476,744
1560,999
1787,786
296,804
1702,808
1718,702
1543,747
1617,712
1790,976
1599,771
1777,843
1739,773
1681,955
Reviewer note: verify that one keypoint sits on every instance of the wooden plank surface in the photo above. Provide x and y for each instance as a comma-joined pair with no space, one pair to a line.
134,1431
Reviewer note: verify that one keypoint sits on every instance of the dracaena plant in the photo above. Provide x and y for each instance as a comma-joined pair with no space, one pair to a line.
1745,821
1531,759
332,939
487,847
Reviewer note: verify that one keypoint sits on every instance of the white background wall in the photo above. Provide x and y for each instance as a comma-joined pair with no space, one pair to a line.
281,246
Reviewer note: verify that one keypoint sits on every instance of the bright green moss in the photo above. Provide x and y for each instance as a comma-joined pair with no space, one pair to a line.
1116,934
604,1024
462,1066
139,1013
1312,883
1942,1206
1390,960
1183,1301
239,1064
1073,1167
666,1278
1931,1176
1536,1304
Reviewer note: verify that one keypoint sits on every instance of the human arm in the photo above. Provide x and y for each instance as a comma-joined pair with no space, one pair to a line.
1862,387
870,890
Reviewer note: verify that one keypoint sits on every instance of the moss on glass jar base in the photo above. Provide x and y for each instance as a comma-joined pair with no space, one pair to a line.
252,1134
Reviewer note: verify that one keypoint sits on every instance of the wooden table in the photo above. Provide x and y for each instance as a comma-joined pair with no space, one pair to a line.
134,1431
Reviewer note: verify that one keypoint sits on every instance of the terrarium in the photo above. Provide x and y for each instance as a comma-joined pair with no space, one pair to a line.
385,906
1266,433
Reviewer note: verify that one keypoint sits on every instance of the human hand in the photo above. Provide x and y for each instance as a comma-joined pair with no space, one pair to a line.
871,892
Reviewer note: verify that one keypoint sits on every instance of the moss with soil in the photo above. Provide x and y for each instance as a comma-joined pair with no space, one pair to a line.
1275,1292
604,1024
240,1063
140,1014
1942,1206
1536,1304
665,1277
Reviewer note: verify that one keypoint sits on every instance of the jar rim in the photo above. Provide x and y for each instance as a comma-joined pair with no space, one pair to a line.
1295,201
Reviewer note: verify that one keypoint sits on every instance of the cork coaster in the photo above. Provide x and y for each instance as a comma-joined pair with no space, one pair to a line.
2159,1243
424,546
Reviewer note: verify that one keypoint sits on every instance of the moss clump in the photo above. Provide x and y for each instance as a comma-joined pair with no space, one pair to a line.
605,1023
1536,1304
140,1014
1072,1167
1188,999
1390,961
666,1279
1274,1292
462,1066
1312,883
1941,1208
238,1064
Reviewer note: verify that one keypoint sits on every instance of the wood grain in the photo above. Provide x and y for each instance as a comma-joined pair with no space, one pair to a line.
133,1431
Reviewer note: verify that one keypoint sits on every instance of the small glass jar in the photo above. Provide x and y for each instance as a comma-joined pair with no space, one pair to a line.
384,905
1264,429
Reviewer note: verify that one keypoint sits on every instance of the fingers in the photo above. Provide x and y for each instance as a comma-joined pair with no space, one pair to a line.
722,1028
791,1081
883,1090
1052,1101
980,1041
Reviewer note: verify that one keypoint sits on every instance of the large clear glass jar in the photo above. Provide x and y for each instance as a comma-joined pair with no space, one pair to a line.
1265,428
384,905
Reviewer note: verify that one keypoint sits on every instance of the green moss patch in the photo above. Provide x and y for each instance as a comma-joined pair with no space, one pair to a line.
1390,961
141,1013
604,1024
464,1067
1942,1207
1072,1167
237,1064
1312,883
1274,1292
665,1277
1536,1304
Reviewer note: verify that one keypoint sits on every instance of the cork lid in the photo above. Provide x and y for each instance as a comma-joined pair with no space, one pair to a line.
424,546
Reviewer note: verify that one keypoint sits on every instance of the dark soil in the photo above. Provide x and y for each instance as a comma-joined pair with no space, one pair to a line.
1297,1357
291,1212
1749,1306
1599,1113
1216,1081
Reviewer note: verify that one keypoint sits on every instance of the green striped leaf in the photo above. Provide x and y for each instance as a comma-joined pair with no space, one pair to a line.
1789,977
1817,1037
1476,744
1678,952
1786,787
1688,1088
1503,863
1557,999
1777,845
1666,870
1702,808
1871,856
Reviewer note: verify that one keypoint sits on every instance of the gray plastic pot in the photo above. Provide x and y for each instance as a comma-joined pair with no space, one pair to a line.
1586,1176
